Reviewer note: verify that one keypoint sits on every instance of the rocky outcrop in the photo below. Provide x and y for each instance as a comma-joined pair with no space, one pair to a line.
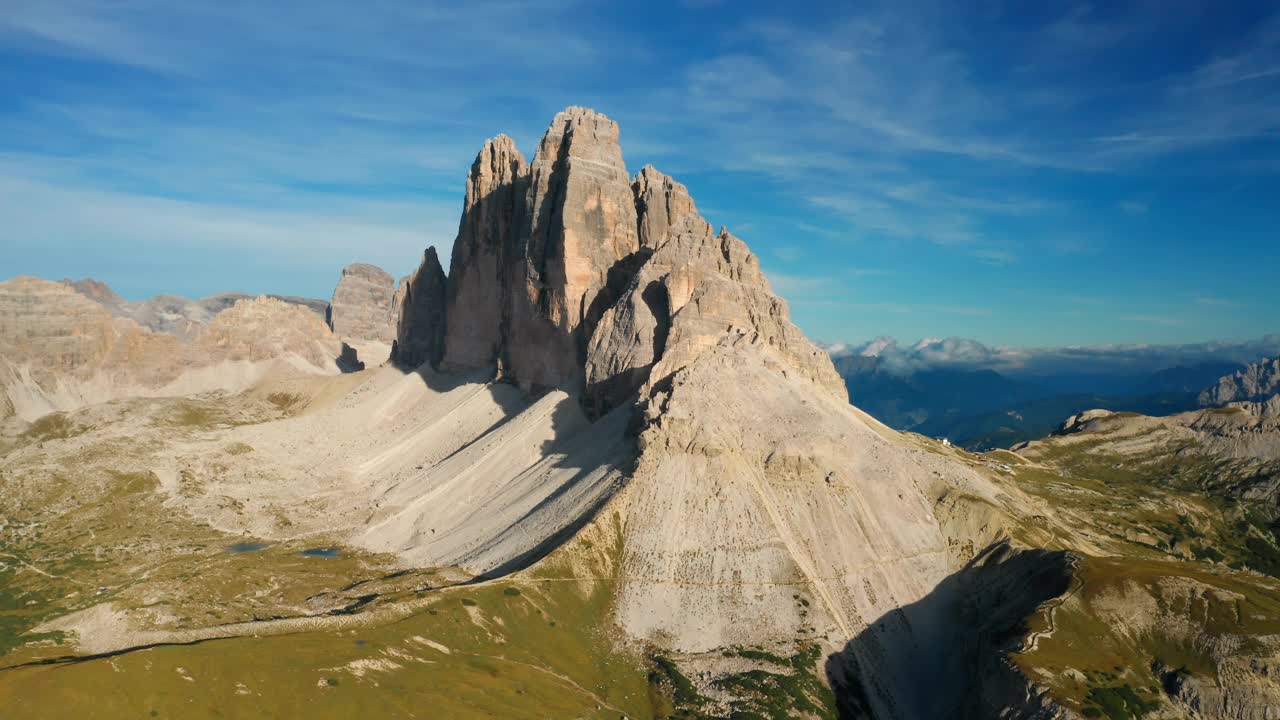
1245,689
63,350
264,328
482,272
580,221
420,315
536,246
577,223
696,288
98,291
567,273
361,309
968,626
660,203
1257,383
1080,421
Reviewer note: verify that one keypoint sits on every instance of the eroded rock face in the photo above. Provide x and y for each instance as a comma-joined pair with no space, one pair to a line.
579,223
568,273
1256,383
96,290
660,203
536,246
481,272
420,310
696,288
361,309
264,328
64,350
1246,689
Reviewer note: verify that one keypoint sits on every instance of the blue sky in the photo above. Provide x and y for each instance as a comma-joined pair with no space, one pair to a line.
1021,173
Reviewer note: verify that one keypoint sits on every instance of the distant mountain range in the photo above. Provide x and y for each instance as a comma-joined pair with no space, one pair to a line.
983,398
174,314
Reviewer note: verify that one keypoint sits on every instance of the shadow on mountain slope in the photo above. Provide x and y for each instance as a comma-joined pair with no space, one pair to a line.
943,656
513,489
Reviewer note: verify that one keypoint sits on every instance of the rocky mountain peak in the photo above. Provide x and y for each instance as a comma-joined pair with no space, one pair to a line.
566,272
420,304
95,290
262,328
498,162
660,203
483,255
373,273
583,135
361,308
1256,383
577,222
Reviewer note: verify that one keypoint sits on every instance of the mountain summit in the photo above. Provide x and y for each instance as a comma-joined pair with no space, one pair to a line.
568,273
762,507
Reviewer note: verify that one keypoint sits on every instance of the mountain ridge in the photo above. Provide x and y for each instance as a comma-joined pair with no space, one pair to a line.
1257,383
66,349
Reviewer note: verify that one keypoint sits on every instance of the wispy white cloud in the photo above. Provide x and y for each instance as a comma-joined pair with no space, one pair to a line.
788,253
1147,319
301,249
870,272
797,286
995,257
1217,302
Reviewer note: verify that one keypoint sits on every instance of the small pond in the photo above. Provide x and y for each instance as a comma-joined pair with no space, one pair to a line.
247,547
320,552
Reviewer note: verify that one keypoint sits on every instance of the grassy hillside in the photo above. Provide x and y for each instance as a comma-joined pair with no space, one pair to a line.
1175,600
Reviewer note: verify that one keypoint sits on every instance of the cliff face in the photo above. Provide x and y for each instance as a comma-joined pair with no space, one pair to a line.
419,306
535,247
361,309
568,273
481,270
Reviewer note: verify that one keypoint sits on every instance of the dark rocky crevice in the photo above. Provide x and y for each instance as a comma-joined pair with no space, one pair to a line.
658,300
945,655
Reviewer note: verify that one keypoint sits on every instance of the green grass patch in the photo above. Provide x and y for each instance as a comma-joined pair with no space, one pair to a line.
500,658
1119,703
54,426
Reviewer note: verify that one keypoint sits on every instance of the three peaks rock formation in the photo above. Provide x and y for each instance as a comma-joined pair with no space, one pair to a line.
567,273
